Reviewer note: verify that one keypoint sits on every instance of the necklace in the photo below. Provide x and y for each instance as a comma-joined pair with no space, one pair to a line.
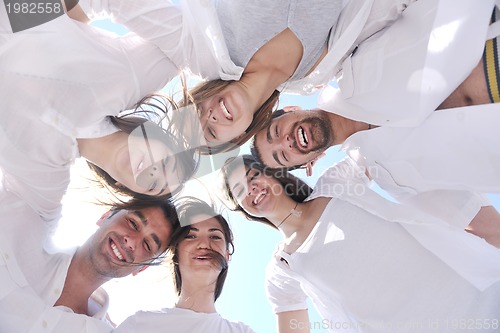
293,212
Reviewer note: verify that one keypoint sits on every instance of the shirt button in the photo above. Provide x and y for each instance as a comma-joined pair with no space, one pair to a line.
57,291
44,324
6,256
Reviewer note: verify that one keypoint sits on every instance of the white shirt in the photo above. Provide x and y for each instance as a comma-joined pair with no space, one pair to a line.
455,247
60,81
438,166
201,35
180,321
365,269
398,76
32,276
454,149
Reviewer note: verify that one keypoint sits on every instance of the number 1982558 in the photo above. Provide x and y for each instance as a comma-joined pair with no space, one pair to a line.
34,8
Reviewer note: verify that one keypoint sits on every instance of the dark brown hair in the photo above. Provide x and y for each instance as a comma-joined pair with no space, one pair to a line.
293,186
188,210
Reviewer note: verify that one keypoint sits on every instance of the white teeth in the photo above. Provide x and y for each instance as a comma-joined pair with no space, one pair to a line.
116,252
224,109
259,197
302,137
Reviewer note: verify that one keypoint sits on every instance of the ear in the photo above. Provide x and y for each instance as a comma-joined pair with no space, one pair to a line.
134,273
104,216
291,108
309,165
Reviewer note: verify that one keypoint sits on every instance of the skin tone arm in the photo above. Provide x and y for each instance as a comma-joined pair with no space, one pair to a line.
76,12
486,224
293,321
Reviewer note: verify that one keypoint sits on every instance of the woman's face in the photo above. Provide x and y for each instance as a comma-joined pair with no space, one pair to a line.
148,166
259,195
227,115
196,250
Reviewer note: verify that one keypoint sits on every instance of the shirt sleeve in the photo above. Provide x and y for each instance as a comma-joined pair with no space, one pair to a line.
174,30
283,291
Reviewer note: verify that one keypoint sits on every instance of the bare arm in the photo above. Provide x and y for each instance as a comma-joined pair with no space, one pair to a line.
293,321
486,224
75,11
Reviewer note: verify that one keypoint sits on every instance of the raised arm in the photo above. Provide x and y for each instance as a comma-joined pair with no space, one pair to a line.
176,32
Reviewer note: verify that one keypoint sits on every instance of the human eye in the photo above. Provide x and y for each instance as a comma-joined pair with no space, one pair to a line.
132,224
190,235
147,247
284,156
212,133
216,237
254,175
153,186
276,131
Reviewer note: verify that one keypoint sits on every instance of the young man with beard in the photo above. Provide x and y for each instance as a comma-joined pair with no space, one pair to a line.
437,166
383,115
52,291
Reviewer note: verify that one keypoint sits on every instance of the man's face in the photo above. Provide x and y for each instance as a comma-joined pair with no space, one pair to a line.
127,240
294,138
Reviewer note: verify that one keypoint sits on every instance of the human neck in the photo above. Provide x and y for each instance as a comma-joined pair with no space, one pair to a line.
343,127
101,150
291,217
79,285
197,296
296,229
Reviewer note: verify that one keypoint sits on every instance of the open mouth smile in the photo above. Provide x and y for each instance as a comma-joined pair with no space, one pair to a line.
302,137
225,111
115,250
260,197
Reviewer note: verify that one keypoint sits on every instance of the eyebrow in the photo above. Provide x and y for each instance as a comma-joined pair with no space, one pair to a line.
144,221
210,230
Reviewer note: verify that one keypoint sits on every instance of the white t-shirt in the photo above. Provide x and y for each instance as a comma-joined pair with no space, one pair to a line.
366,274
32,276
180,320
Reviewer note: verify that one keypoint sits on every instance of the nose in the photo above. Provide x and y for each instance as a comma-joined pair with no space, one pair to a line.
148,175
212,117
130,242
203,242
286,142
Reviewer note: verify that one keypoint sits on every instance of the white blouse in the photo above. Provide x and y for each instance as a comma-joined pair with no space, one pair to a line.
60,81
